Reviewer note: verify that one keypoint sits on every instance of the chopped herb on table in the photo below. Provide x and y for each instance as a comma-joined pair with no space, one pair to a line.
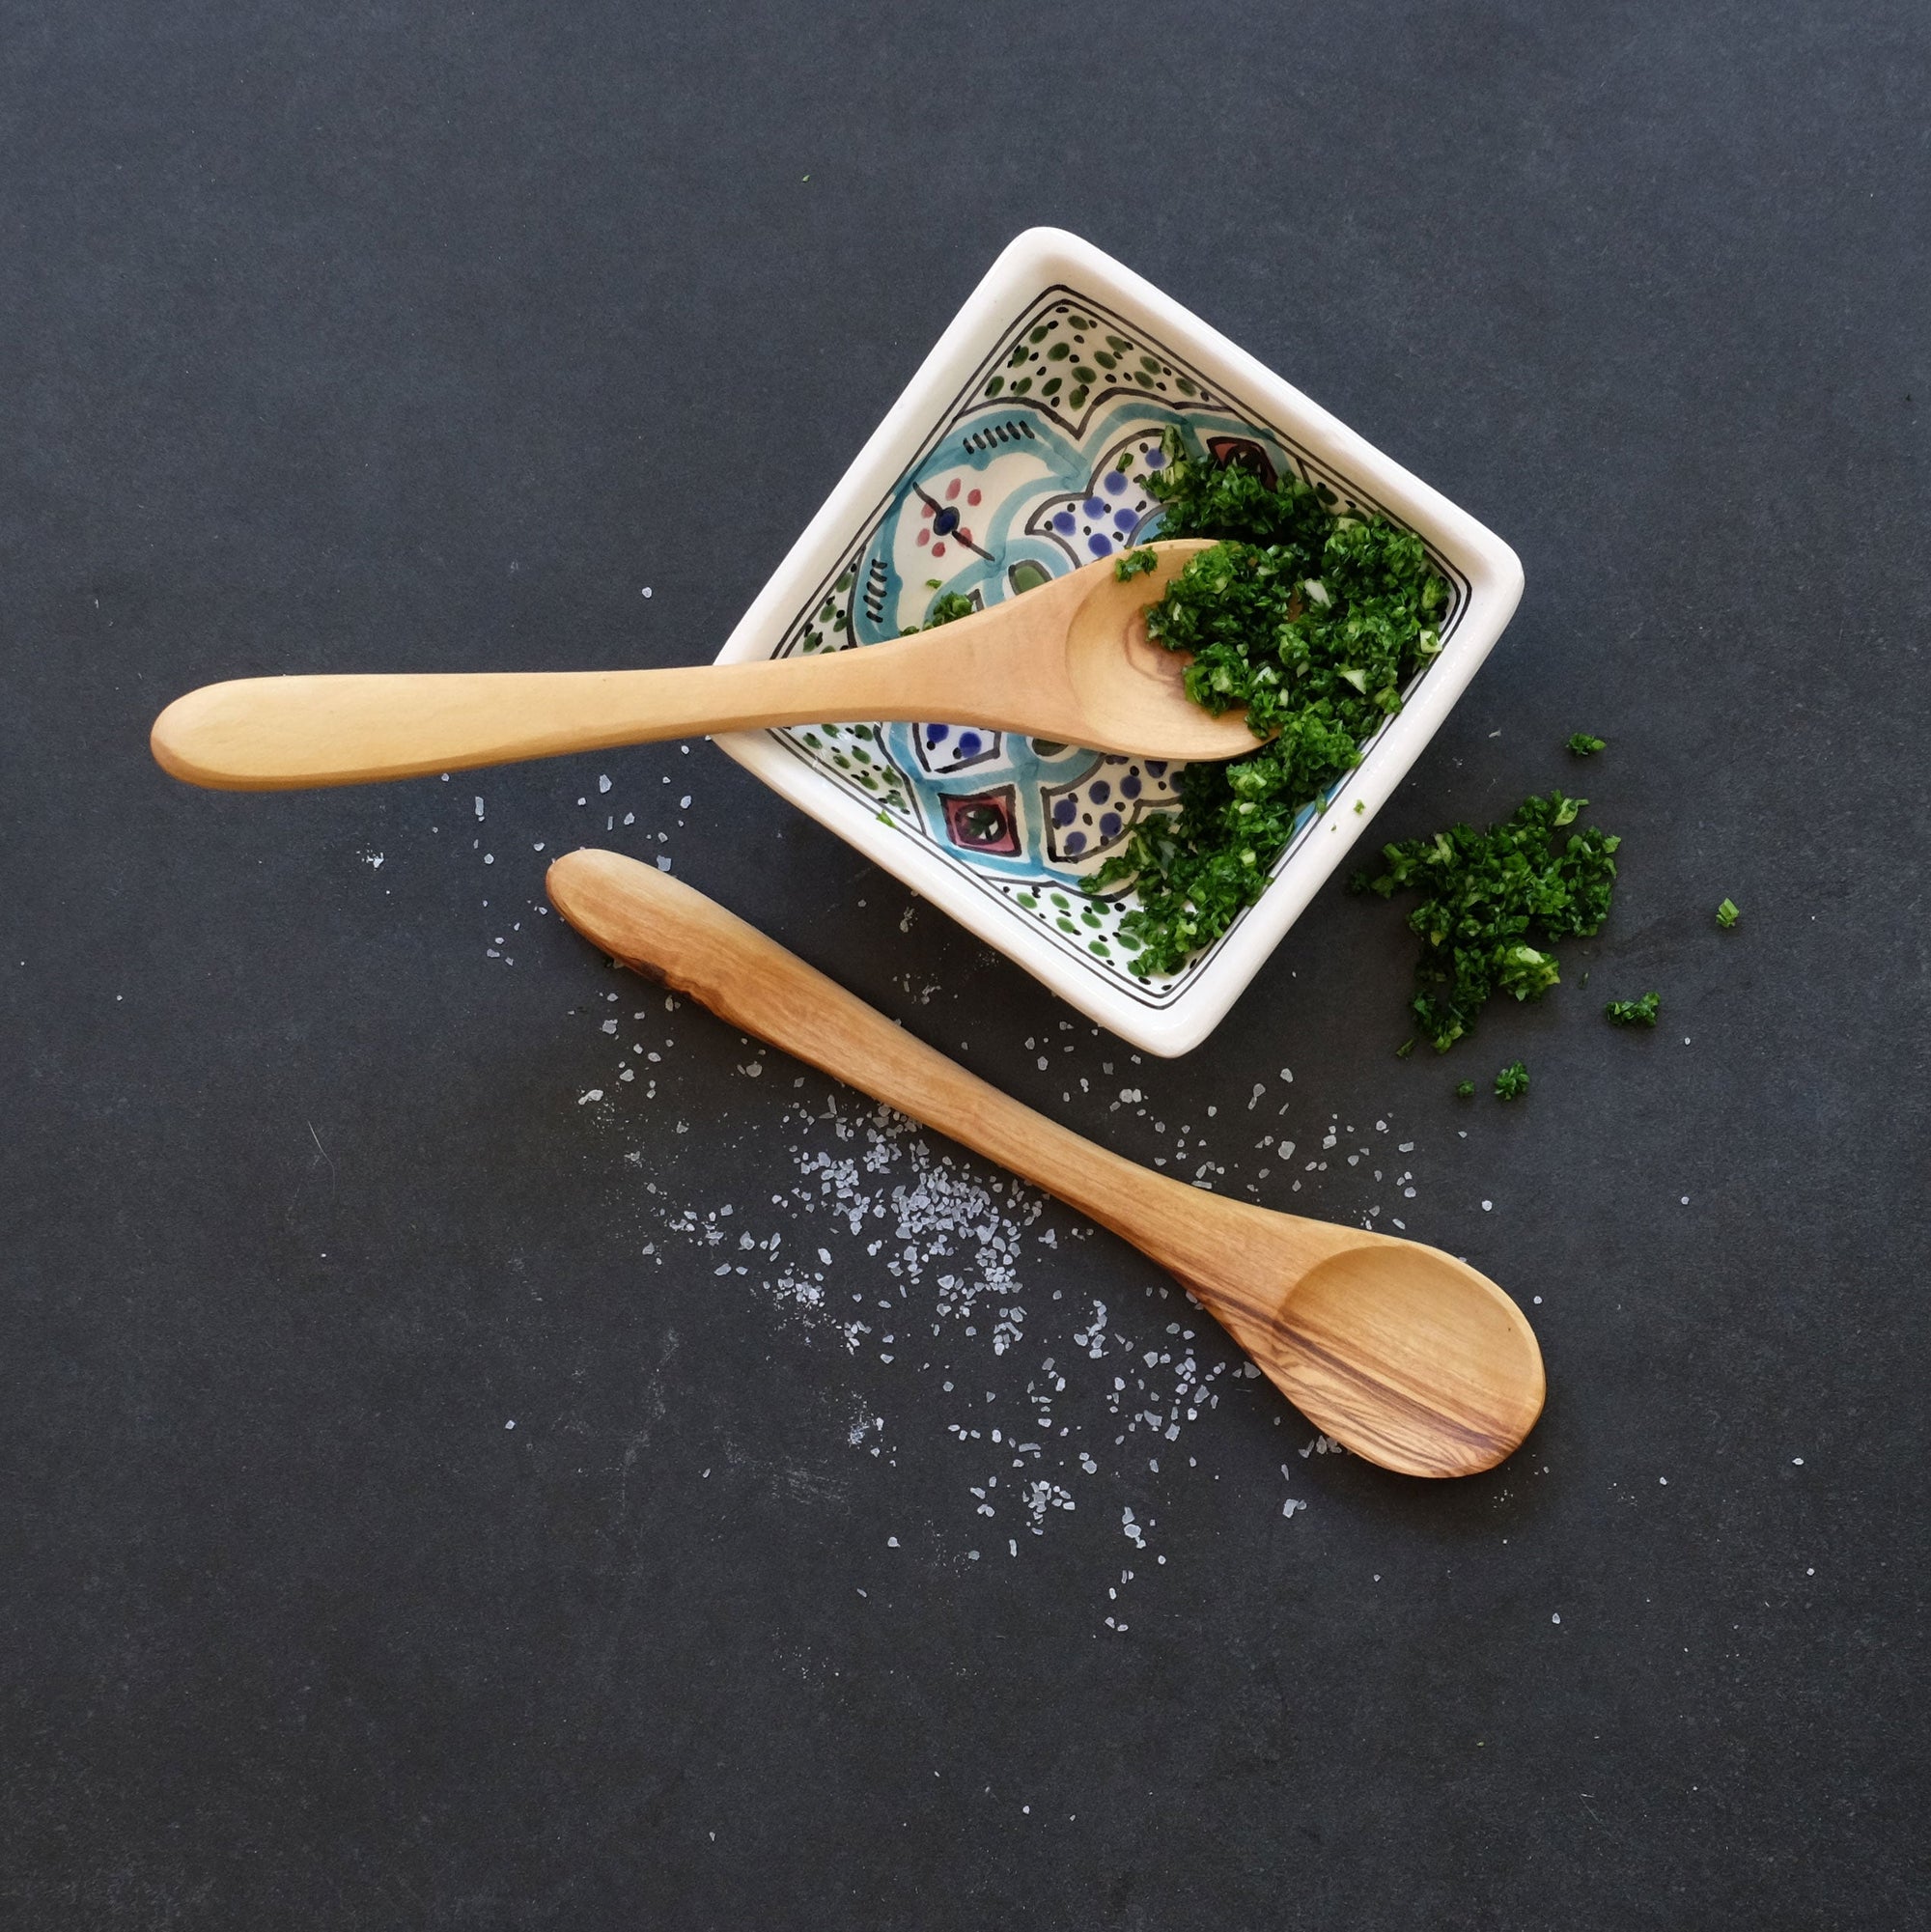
1728,915
1314,621
1465,1090
1512,1082
1633,1012
1488,897
1582,745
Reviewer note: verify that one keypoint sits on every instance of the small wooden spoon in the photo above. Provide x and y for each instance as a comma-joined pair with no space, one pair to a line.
1404,1354
1070,661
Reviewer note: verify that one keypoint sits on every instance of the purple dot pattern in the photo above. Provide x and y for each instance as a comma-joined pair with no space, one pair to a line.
1016,487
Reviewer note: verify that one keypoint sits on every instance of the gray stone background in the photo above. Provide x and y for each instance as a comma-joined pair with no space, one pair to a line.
388,337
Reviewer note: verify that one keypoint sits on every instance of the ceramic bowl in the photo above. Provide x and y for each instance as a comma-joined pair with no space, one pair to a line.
997,467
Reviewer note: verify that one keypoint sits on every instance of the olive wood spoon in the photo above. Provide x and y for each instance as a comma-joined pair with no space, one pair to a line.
1069,660
1402,1352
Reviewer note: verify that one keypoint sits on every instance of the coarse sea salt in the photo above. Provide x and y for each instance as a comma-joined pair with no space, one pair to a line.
918,1263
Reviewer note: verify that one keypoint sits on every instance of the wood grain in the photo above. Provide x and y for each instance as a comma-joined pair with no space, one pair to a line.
1069,660
1407,1355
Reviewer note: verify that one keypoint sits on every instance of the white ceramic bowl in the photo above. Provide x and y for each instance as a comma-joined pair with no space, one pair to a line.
998,467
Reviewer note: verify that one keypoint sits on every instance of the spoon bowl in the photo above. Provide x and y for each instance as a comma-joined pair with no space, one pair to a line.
1405,1355
1069,660
1401,1346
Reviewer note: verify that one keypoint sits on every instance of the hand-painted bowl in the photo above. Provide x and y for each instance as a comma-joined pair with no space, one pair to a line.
1000,466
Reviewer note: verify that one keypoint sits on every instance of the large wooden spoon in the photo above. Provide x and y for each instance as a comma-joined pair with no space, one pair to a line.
1404,1354
1070,661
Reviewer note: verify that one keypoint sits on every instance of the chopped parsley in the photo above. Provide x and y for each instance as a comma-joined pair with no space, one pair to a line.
947,609
1312,620
1137,563
1728,915
1633,1012
1464,1090
1512,1082
1582,745
1487,898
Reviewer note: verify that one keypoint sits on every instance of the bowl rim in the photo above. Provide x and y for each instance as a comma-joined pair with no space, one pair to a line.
1033,263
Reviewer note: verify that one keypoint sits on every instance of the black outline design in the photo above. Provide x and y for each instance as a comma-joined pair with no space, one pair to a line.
958,413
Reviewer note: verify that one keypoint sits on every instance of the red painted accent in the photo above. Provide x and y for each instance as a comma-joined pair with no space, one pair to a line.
964,535
972,496
925,536
983,820
924,508
952,490
939,550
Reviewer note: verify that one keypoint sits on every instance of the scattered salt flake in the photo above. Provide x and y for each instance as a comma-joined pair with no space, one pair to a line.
603,781
595,1093
1486,1205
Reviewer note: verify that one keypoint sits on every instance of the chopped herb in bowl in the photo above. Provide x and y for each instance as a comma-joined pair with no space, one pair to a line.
947,609
1311,619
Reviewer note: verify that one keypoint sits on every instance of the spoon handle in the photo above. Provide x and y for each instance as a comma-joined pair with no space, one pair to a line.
275,734
662,927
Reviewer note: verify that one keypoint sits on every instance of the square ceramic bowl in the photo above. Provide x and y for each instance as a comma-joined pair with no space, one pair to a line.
998,467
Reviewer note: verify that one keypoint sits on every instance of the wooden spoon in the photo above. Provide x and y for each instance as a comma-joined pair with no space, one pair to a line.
1404,1354
1070,661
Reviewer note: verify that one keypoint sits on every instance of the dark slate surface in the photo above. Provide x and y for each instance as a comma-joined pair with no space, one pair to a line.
371,336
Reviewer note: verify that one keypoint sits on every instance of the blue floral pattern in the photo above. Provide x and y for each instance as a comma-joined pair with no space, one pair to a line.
1041,468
